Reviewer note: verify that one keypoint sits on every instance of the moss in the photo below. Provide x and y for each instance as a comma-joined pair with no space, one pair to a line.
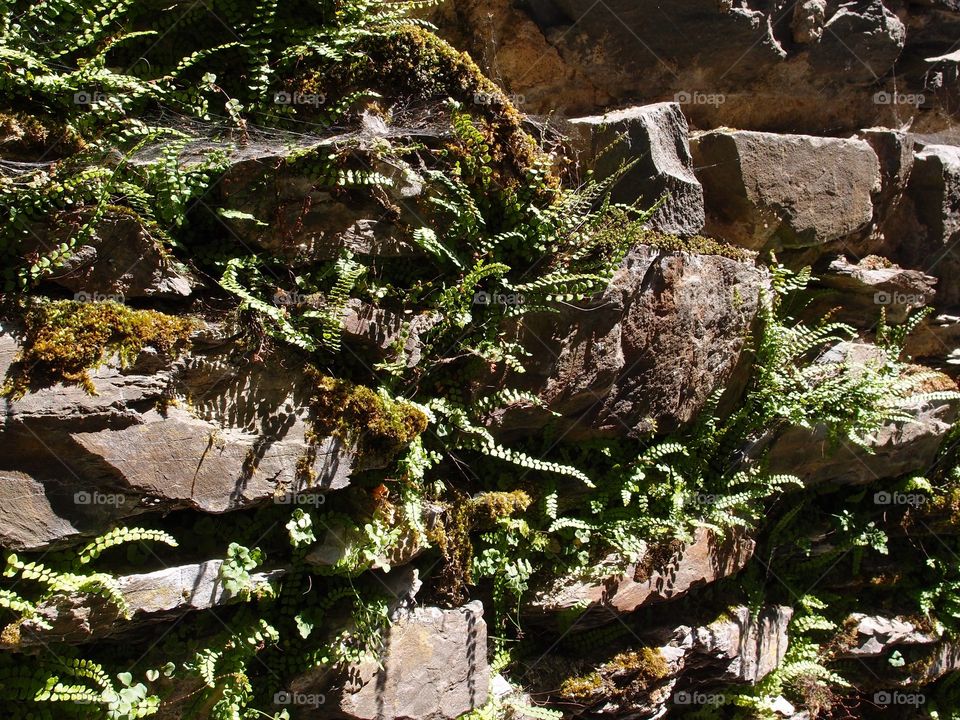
414,63
26,137
378,427
65,339
485,509
625,676
582,688
646,666
697,244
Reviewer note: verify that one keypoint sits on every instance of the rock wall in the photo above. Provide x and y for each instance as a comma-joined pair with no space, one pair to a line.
315,462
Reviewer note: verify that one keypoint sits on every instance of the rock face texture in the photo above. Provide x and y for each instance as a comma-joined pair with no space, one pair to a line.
798,67
651,145
667,333
382,580
75,462
433,666
653,580
768,191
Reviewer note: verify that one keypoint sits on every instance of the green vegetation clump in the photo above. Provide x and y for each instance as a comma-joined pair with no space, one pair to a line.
625,675
379,426
65,339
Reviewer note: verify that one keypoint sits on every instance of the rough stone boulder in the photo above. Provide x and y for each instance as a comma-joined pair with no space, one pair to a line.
934,188
666,333
295,210
800,67
433,667
861,290
659,577
655,139
872,639
739,647
151,597
785,191
896,449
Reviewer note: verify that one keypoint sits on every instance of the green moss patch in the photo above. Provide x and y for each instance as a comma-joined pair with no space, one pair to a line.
379,427
65,339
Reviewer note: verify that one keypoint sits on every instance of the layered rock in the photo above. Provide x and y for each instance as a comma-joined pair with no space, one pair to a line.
208,431
660,577
433,667
159,596
803,67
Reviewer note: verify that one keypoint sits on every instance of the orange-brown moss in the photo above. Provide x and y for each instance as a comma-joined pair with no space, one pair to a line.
65,339
377,426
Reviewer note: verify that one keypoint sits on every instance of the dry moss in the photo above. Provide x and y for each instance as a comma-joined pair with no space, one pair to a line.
625,676
582,688
645,666
378,427
413,63
485,509
65,339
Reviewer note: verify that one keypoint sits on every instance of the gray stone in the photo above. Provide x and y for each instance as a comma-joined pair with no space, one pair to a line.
935,190
433,667
301,216
150,597
767,191
896,449
121,259
207,432
876,635
860,291
655,139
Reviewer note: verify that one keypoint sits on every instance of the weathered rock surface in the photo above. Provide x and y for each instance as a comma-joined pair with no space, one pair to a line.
737,647
785,191
655,139
305,217
236,436
150,597
934,189
666,333
802,67
120,259
653,580
433,667
860,290
897,449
